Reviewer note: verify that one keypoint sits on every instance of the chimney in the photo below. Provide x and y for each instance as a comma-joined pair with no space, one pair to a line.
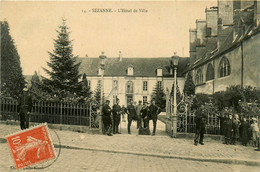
225,12
212,21
257,13
120,56
201,32
193,37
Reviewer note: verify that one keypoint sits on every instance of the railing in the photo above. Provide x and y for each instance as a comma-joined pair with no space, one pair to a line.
61,113
212,126
53,112
8,109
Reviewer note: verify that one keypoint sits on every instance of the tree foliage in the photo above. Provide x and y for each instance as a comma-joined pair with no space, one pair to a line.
85,92
12,80
35,88
159,96
64,74
189,86
97,94
234,99
178,93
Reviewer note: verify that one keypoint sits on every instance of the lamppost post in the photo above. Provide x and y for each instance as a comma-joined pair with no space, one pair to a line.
102,58
175,61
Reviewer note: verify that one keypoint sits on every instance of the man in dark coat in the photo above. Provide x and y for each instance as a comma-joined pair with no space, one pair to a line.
228,125
131,115
244,131
154,111
106,117
25,108
200,120
144,114
116,116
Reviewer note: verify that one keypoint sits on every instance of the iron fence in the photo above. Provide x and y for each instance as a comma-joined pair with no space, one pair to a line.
8,109
61,113
186,123
53,112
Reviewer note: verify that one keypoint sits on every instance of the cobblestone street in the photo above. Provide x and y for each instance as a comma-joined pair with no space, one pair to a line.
95,155
81,160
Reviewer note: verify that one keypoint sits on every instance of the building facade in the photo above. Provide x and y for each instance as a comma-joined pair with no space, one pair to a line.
224,48
132,78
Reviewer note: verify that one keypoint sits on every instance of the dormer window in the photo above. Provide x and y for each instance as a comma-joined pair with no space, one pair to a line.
100,71
159,72
130,70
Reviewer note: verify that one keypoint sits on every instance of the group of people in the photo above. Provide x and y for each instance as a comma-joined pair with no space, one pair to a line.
240,130
234,128
141,113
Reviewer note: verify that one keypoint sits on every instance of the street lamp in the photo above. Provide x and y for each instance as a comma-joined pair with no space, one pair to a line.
102,58
175,61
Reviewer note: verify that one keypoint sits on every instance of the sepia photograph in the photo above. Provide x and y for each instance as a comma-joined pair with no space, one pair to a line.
130,86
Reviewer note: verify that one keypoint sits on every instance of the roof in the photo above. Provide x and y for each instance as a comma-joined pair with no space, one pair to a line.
143,67
227,39
226,44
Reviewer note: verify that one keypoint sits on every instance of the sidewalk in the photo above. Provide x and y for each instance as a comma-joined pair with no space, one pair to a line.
160,145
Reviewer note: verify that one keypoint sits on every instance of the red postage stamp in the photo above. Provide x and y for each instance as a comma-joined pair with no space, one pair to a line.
31,146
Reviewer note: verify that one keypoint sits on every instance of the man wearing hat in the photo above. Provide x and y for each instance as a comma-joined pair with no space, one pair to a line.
24,108
138,110
116,116
154,112
200,120
106,118
131,115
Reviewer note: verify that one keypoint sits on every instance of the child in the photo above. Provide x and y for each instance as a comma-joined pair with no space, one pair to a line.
255,130
244,131
236,125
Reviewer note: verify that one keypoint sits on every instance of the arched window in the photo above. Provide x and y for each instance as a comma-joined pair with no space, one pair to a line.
210,72
199,77
129,87
224,67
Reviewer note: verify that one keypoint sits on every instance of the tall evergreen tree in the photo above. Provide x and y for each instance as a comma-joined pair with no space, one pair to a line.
12,79
159,96
35,88
189,86
64,73
178,93
97,94
85,89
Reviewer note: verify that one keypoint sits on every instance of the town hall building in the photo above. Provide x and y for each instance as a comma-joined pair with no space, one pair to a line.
132,78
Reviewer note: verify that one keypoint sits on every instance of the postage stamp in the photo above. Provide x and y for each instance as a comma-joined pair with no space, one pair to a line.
31,146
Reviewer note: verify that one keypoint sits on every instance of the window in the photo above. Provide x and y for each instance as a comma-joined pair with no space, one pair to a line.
129,87
130,70
89,84
100,71
159,83
210,72
224,67
114,99
115,84
199,77
159,72
144,99
99,83
144,85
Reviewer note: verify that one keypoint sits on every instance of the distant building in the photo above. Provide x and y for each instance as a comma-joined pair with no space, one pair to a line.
224,48
132,78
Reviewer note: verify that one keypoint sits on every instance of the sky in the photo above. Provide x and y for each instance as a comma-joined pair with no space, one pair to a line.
159,32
